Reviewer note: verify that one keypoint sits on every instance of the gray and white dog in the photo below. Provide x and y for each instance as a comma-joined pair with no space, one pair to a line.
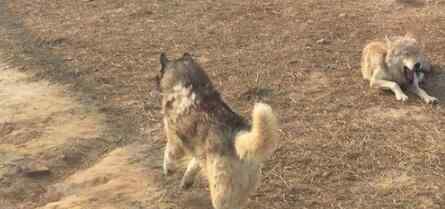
221,143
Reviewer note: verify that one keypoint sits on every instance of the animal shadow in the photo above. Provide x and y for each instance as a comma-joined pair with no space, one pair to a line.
412,3
434,83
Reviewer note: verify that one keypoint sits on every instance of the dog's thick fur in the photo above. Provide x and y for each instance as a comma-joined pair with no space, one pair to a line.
199,123
394,63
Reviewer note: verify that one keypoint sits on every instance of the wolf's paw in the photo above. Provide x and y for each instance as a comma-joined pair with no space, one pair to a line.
402,97
167,169
431,100
167,172
186,183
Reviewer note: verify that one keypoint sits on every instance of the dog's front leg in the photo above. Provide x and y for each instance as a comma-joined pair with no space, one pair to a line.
173,149
415,88
391,85
173,152
190,173
168,165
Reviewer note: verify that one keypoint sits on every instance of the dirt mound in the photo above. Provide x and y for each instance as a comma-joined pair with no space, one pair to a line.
127,177
49,155
45,133
116,173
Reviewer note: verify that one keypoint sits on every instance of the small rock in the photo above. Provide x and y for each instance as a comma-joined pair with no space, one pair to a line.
322,41
342,15
293,62
331,67
35,169
326,174
69,59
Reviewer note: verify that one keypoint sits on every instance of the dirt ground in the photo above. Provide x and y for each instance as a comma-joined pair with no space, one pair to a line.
95,139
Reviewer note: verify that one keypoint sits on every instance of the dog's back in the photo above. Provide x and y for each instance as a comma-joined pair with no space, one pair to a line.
373,58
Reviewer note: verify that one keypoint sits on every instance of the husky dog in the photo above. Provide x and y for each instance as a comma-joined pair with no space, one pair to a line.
221,143
394,63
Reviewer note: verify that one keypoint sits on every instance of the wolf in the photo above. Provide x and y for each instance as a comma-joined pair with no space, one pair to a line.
222,144
394,63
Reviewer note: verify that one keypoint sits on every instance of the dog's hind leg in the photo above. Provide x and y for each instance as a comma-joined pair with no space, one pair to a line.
189,175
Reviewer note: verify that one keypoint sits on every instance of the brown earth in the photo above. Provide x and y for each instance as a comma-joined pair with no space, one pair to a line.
342,144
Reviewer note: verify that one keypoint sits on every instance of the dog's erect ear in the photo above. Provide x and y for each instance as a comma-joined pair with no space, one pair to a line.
388,41
187,57
411,36
164,60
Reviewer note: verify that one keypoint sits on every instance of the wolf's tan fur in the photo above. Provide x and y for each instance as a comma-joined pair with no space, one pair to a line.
393,63
198,123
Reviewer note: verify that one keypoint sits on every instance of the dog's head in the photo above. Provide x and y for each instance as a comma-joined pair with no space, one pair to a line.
182,71
404,54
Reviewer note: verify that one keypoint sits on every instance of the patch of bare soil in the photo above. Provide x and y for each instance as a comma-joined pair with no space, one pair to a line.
44,132
126,177
343,145
119,172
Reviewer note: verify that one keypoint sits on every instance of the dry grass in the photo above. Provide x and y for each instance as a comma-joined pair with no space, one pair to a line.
343,145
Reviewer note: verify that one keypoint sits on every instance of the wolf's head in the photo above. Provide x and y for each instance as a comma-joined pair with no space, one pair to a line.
404,54
182,71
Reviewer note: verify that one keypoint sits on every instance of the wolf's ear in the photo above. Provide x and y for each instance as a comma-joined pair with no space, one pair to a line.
387,41
411,36
164,60
187,57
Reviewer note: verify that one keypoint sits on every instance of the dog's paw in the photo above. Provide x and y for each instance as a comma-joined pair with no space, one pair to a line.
186,184
402,97
431,100
168,172
167,169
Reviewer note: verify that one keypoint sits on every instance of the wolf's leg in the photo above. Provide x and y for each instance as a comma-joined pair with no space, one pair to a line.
422,94
190,173
415,88
380,80
393,86
173,150
170,158
229,187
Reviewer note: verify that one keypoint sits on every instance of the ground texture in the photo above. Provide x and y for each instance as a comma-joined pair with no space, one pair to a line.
79,111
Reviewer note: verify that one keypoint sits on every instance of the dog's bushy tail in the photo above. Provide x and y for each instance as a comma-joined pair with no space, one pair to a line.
260,142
